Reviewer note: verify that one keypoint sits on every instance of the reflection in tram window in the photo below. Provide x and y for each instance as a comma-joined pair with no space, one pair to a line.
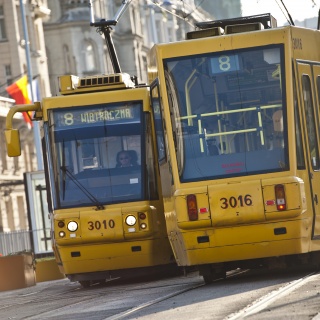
226,106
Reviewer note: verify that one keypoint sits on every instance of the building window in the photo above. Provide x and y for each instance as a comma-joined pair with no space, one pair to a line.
67,63
77,1
3,35
89,57
8,74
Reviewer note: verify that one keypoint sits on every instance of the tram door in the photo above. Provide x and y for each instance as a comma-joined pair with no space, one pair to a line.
310,117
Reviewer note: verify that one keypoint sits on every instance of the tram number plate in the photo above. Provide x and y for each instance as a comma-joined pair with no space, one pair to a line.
98,225
234,202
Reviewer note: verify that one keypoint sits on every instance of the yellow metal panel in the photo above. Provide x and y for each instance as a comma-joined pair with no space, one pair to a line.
236,203
247,242
101,225
204,219
294,202
305,44
119,255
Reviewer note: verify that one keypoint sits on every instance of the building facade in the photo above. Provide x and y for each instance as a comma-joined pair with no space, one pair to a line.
74,47
13,65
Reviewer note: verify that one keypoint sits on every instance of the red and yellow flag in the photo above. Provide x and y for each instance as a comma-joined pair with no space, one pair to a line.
19,92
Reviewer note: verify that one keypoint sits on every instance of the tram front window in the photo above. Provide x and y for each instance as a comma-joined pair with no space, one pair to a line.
228,112
86,144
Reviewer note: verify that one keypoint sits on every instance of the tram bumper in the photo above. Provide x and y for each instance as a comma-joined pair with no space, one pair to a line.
243,222
115,256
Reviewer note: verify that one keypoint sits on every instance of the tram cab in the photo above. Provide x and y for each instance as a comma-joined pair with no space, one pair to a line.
104,192
240,167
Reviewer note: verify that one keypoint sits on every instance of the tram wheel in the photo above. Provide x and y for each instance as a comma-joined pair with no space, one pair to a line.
85,284
211,273
208,279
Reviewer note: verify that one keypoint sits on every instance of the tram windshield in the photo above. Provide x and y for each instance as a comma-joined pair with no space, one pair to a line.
96,154
228,112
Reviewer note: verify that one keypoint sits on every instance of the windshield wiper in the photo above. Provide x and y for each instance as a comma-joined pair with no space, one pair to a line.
91,197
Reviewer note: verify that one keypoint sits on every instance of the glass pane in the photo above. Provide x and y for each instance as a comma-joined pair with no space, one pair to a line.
299,145
2,29
158,123
96,154
228,112
310,120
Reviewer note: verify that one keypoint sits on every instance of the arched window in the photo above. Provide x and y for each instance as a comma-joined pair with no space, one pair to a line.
89,56
67,63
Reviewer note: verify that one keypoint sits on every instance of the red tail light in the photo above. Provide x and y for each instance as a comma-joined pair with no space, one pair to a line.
280,197
142,215
192,207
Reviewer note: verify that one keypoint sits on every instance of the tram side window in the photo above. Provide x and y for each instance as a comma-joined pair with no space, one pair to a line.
157,114
299,146
152,192
310,122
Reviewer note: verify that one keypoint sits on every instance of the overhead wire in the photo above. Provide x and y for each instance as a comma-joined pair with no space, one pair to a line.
290,18
196,7
281,8
171,12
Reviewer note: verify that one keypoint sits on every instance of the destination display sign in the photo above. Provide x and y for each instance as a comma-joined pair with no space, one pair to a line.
224,63
78,117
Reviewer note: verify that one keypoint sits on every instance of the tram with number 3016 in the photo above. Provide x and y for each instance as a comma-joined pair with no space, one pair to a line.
239,134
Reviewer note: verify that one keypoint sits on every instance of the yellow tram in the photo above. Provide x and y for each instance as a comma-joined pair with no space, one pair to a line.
101,172
238,126
107,214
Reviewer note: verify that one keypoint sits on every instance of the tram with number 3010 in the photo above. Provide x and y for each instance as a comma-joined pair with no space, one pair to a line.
101,172
238,134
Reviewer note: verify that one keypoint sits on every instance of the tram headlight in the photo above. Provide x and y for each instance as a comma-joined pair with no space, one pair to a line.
62,234
131,220
72,226
143,226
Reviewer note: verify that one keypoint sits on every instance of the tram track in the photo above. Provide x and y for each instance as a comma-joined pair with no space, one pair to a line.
96,291
139,299
81,295
129,312
271,297
152,302
251,309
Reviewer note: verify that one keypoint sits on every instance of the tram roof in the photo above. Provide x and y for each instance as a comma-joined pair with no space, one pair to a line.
266,19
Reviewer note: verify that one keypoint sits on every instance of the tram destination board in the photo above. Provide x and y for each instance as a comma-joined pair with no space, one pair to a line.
96,115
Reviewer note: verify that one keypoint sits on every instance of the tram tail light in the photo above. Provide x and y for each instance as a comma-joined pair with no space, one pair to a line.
280,197
192,207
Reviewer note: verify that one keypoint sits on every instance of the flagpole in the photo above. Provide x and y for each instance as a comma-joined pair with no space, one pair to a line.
36,128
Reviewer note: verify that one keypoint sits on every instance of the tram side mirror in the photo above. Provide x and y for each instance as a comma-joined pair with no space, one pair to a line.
13,142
